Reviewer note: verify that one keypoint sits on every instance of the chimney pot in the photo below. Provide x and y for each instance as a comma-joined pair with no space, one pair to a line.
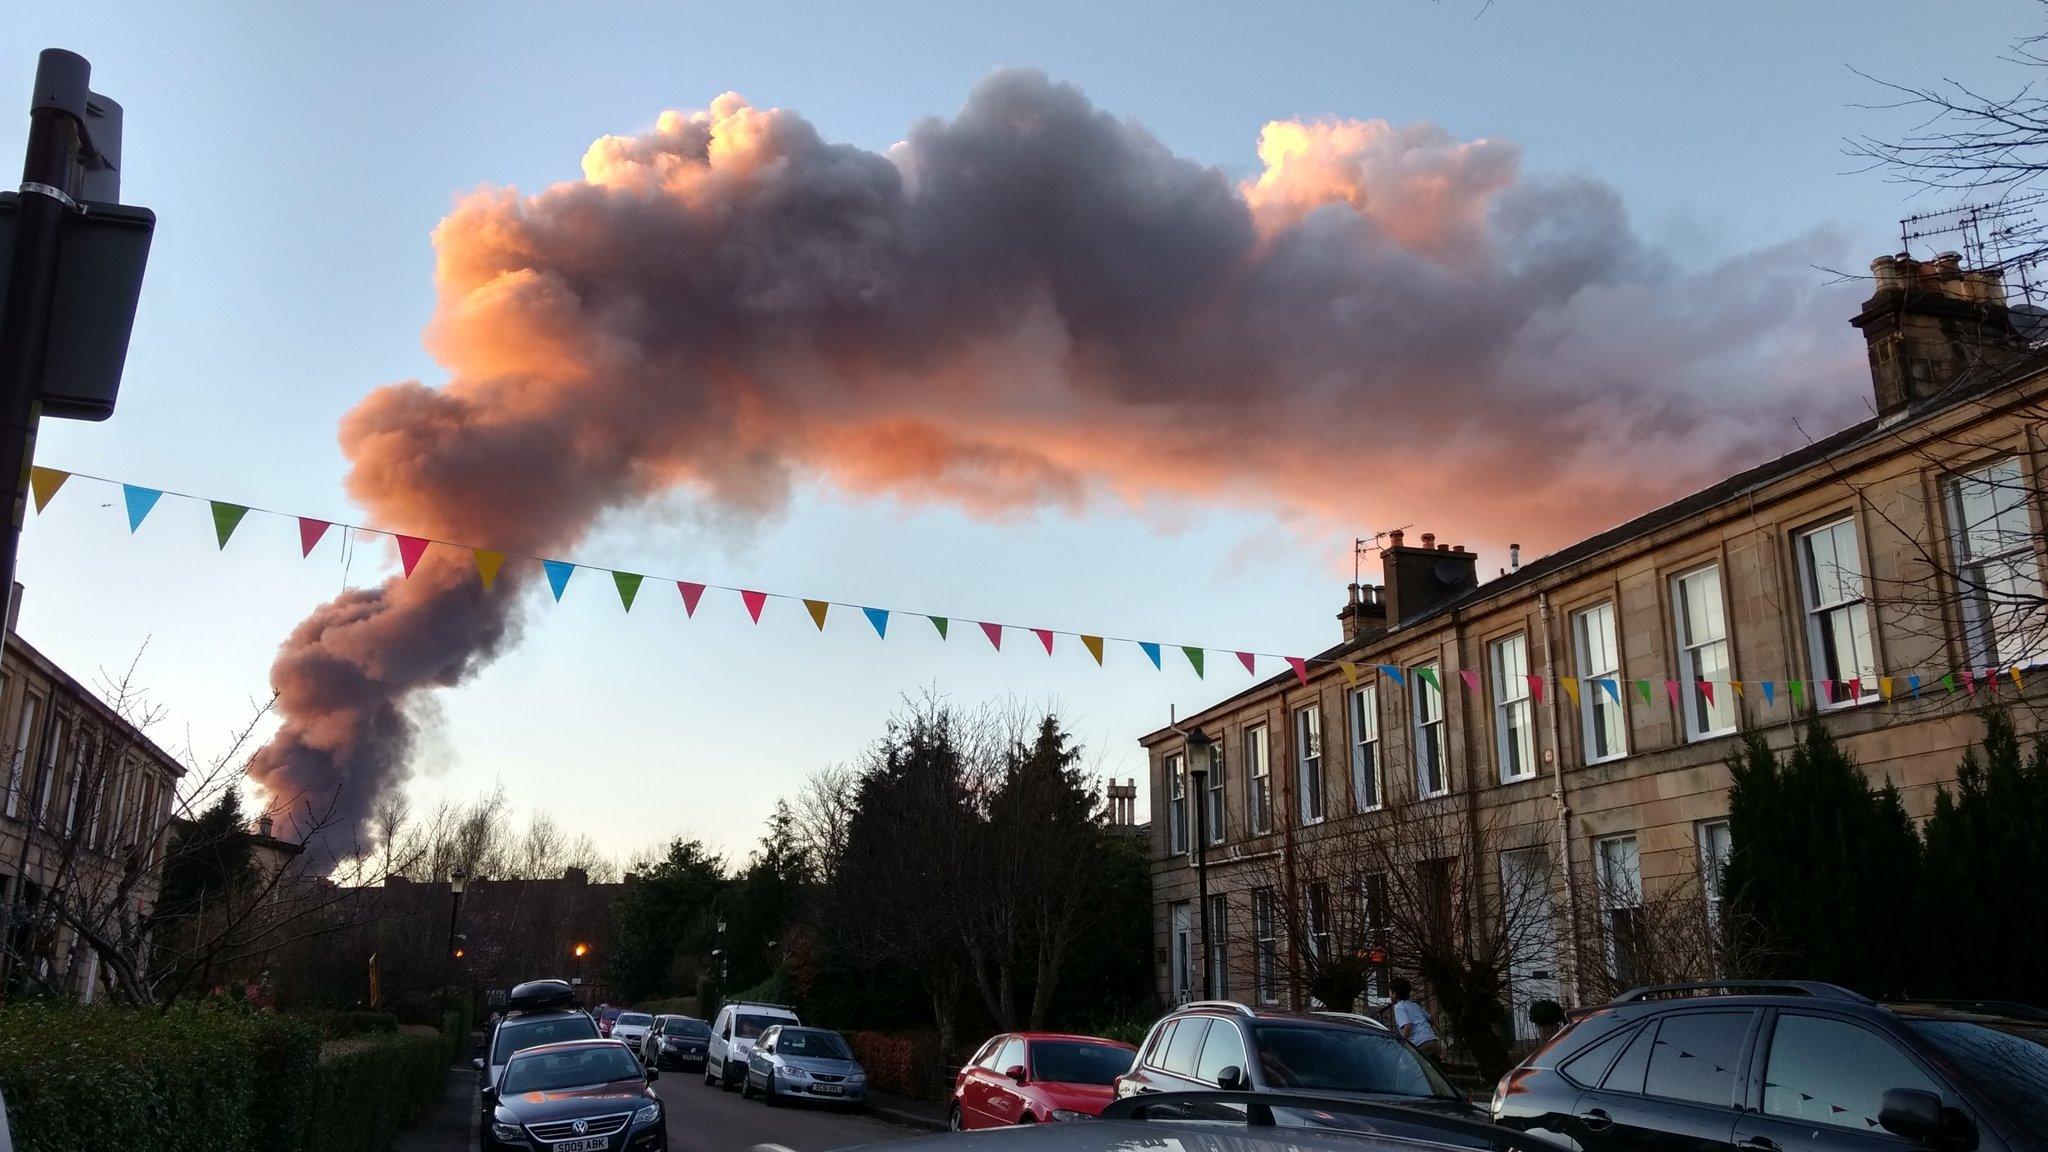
1930,321
1457,547
1394,538
1429,539
1514,557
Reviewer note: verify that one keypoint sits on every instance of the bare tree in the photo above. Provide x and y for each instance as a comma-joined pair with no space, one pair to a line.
819,815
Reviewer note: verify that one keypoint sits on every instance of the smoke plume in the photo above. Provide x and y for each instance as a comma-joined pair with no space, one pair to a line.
1034,304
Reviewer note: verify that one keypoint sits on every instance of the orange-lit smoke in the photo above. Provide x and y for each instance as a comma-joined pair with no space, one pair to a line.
1034,305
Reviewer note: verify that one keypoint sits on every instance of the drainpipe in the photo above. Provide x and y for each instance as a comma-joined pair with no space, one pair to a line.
1567,958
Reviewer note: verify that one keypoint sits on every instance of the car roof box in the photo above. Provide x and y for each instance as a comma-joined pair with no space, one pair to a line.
537,995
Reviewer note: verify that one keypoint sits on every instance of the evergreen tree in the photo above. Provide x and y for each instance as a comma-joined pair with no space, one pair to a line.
1982,895
664,916
1821,866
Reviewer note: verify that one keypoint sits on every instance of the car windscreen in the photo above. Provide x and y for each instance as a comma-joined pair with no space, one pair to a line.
2008,1063
685,1028
575,1067
811,1045
633,1020
751,1027
1075,1062
1342,1060
521,1034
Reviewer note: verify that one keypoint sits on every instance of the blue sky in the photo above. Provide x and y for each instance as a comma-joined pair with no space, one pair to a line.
298,160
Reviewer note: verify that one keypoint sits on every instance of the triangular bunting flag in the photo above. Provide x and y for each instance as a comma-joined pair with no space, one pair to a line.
1394,674
1671,690
2016,681
1856,688
1094,646
1194,656
1913,684
1350,671
994,632
1300,667
1570,684
558,572
1611,686
940,623
755,601
310,532
44,482
1948,683
1151,650
879,617
410,549
1827,691
1428,676
1536,689
1643,688
1970,681
1770,693
139,501
1736,686
1245,658
487,565
1470,678
1707,690
226,518
1795,691
691,594
817,609
1044,637
1884,687
629,586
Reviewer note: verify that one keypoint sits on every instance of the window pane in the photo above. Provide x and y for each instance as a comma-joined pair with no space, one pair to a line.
1222,1049
1831,1072
1184,1052
1697,1057
1627,1073
1365,731
1586,1068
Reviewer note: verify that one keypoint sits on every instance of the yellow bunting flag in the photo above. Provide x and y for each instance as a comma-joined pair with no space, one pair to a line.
487,565
1350,671
1094,646
1736,685
45,482
817,609
1884,687
2016,681
1570,684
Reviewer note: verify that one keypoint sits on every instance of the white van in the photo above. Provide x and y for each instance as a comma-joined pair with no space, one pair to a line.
733,1034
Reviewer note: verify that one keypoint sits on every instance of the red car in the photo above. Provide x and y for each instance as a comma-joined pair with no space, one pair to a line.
606,1016
1036,1077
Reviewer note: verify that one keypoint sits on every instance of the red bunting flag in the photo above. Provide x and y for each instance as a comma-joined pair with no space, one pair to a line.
1471,680
1044,637
1536,689
1245,658
1671,690
994,632
755,602
1707,690
1970,681
691,594
1300,667
310,532
410,549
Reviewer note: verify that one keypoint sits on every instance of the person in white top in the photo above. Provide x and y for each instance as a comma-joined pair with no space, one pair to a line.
1414,1024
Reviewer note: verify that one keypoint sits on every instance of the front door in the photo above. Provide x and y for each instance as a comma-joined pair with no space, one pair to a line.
1531,929
1183,943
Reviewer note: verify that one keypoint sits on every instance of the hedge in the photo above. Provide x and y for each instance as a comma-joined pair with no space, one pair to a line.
899,1065
340,1025
78,1078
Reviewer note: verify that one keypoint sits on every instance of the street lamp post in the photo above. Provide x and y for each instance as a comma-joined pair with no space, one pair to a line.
579,952
457,881
1198,751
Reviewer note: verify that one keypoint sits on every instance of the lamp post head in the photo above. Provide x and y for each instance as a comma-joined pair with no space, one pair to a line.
581,950
457,881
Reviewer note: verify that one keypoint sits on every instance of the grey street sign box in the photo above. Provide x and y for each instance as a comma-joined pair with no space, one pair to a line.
100,259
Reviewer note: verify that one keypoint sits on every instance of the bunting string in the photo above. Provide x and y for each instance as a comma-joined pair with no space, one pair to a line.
139,502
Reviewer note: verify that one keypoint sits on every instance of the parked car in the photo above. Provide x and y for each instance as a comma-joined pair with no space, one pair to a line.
1225,1045
1791,1065
793,1063
581,1096
536,1012
631,1028
1035,1078
733,1033
678,1039
605,1015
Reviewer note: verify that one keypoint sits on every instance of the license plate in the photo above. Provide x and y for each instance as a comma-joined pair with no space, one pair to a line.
827,1089
587,1144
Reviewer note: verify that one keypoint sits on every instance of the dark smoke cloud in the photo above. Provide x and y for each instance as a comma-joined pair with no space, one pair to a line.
1035,304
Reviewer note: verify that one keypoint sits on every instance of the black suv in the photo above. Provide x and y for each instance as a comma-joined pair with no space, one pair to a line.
1785,1066
1221,1044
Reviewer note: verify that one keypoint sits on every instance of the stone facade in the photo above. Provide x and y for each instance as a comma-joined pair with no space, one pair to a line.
1722,585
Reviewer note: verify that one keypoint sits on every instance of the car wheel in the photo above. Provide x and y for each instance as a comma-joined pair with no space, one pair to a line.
1027,1118
747,1087
709,1079
728,1081
953,1121
769,1097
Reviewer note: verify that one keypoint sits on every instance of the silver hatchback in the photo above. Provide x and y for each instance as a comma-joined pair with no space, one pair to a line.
790,1063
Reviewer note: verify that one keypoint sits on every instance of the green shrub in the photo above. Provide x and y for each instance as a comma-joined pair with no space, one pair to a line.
371,1086
341,1025
673,1006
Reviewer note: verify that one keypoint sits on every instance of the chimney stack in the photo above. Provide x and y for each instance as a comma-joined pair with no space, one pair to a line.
1930,321
1419,579
263,824
1365,614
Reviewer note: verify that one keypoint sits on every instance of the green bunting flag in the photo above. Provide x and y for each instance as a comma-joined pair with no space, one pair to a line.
629,587
225,519
1643,690
1428,676
938,622
1194,657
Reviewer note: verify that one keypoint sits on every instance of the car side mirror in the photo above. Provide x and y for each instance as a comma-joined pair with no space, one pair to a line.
653,1074
489,1095
1016,1072
1911,1113
477,1063
1231,1079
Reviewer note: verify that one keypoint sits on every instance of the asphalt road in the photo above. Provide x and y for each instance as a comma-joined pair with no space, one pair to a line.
706,1119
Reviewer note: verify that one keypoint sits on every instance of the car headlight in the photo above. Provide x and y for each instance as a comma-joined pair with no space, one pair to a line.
647,1115
507,1132
794,1072
1069,1114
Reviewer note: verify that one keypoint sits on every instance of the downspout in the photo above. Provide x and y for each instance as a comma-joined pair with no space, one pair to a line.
1567,958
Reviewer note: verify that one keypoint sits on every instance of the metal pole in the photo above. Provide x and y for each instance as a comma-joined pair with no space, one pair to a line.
1200,776
49,181
454,915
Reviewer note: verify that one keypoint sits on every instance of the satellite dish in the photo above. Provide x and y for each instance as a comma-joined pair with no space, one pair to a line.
1449,572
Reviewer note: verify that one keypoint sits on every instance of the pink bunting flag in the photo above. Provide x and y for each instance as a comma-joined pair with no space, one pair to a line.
1970,681
1536,689
755,602
310,532
1827,691
1245,658
691,594
1299,665
1044,637
994,632
1707,690
410,549
1471,680
1671,690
